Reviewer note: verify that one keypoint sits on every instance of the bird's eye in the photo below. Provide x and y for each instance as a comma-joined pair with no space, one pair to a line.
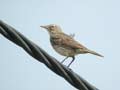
52,27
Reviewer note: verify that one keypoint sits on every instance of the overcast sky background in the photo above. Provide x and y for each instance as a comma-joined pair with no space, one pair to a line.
96,24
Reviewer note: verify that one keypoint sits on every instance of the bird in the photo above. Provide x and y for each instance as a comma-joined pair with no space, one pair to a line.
65,44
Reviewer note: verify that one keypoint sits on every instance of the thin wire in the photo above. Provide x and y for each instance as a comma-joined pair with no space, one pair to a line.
39,54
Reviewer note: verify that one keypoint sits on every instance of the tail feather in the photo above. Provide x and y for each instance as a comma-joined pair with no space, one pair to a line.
93,52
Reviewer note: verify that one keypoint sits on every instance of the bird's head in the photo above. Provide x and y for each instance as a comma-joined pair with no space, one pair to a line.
52,29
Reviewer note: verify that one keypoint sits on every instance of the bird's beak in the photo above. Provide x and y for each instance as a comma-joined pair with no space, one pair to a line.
44,27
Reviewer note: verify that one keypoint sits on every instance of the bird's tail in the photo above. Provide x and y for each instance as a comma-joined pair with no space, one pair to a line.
93,52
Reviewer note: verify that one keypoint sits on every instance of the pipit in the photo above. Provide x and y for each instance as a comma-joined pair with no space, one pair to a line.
65,44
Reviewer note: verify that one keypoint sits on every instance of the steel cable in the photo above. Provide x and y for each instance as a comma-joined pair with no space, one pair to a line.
39,54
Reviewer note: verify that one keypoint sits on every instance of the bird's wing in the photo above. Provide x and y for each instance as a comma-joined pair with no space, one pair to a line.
68,41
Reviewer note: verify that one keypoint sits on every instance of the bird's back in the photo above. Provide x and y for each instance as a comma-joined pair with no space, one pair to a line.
71,42
66,41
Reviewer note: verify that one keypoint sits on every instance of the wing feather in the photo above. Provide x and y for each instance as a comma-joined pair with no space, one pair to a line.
68,41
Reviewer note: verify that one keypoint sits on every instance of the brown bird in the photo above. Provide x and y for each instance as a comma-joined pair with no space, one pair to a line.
65,44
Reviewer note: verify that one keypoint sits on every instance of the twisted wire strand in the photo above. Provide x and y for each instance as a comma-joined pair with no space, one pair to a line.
39,54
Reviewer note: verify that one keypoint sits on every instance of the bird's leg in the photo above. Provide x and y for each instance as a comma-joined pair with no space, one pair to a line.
73,58
64,59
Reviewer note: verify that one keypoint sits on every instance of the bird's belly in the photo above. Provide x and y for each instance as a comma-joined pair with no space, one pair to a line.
64,51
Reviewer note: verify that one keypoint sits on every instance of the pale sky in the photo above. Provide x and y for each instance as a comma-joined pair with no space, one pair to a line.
95,23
